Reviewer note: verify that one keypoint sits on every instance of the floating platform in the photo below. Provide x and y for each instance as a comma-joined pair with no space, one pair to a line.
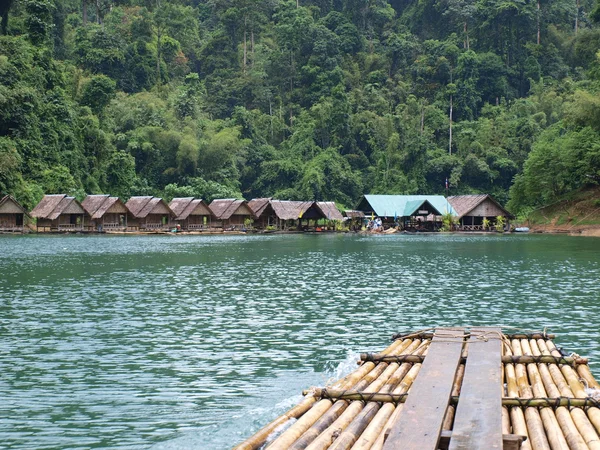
449,388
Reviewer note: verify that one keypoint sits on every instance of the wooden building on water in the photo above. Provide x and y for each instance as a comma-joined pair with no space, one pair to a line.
449,388
296,215
191,214
106,213
59,212
231,214
13,217
149,214
330,211
265,215
473,209
411,212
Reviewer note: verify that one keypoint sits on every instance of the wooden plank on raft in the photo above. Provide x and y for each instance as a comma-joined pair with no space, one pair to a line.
478,420
420,424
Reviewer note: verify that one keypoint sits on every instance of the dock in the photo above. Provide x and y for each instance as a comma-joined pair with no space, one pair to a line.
449,388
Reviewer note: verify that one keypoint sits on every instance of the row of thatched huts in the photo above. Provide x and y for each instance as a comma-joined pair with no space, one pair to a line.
60,212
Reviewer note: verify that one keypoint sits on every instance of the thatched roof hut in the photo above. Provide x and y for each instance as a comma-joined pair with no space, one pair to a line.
149,213
106,212
330,211
13,216
59,212
231,213
473,209
264,213
191,213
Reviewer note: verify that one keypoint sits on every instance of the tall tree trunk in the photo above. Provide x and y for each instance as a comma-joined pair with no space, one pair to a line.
450,135
252,46
538,22
466,31
422,118
98,21
84,12
245,48
577,17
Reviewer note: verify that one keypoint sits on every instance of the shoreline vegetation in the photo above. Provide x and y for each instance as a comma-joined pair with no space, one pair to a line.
299,99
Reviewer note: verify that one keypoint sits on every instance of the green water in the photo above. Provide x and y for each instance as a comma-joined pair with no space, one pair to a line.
196,342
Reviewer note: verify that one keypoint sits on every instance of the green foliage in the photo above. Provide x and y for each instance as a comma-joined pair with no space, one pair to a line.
316,100
500,221
98,92
448,222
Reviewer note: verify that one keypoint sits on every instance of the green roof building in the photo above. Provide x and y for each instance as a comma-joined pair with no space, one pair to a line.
404,206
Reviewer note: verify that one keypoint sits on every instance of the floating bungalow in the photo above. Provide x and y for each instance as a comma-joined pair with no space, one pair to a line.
473,209
191,214
266,217
231,213
296,214
411,212
287,214
149,213
106,213
330,211
449,388
13,217
59,212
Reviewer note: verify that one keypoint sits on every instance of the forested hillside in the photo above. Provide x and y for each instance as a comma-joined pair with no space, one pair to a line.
322,99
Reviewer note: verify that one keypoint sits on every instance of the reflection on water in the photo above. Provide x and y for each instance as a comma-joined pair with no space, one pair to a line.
192,341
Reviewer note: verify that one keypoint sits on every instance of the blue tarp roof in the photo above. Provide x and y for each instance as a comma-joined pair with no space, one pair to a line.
404,205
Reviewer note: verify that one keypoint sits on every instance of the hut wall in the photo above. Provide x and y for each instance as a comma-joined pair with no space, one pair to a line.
114,220
71,221
155,222
10,208
117,207
11,221
45,225
133,224
487,208
160,208
197,222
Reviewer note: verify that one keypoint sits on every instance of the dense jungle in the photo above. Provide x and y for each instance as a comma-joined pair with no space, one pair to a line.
321,99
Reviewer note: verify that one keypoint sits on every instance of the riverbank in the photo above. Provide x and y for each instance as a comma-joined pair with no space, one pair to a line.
577,213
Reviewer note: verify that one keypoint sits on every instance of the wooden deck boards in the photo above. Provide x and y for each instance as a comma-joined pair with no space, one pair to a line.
420,424
478,420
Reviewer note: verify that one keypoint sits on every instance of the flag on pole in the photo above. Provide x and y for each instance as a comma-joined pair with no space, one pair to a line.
446,183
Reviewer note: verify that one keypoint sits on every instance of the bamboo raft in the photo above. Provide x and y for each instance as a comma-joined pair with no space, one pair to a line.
453,388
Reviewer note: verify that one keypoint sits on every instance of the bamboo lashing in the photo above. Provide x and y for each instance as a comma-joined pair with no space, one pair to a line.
550,398
524,359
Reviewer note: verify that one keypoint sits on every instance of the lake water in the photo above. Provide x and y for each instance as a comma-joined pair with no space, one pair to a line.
169,342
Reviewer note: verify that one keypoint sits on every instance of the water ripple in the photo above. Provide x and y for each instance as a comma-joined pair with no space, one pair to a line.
194,341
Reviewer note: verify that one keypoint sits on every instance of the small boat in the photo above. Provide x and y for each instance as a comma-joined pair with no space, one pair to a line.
522,230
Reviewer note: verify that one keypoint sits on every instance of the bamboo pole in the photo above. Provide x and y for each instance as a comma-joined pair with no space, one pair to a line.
517,417
330,417
535,429
584,373
378,445
325,438
525,359
309,416
586,425
351,434
372,432
551,423
587,430
429,335
505,421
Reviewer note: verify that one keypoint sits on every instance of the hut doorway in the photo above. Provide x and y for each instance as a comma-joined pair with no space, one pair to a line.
19,220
